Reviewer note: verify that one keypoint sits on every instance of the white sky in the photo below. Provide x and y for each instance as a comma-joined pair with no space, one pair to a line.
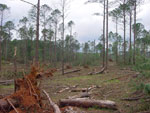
87,26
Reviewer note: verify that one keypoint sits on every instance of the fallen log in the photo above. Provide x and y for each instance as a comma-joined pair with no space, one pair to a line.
83,95
7,82
67,88
73,71
98,72
79,90
135,98
5,105
87,103
54,106
84,89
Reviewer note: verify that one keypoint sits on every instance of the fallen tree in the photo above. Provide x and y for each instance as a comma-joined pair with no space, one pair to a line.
5,106
27,96
84,89
54,106
67,88
6,82
87,103
82,95
98,72
72,71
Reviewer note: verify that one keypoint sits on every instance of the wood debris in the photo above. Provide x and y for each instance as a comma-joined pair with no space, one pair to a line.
87,103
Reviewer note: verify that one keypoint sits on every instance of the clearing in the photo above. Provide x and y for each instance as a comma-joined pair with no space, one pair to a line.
115,84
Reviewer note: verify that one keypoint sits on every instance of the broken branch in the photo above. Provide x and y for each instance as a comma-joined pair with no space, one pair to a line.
55,107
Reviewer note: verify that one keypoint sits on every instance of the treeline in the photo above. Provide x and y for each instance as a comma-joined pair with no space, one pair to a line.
57,41
50,43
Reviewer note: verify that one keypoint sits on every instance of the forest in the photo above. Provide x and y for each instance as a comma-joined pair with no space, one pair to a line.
46,68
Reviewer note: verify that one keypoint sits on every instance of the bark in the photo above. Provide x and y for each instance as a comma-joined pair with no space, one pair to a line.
130,47
83,95
5,106
104,35
15,62
87,103
73,71
124,17
134,54
117,42
55,45
54,106
6,82
107,37
26,58
37,34
63,31
1,42
79,90
99,72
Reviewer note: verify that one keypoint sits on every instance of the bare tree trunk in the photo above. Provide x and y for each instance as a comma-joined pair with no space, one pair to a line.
1,42
15,63
50,56
5,49
44,49
26,59
130,47
134,60
124,16
104,35
117,38
107,37
144,51
55,59
63,31
37,34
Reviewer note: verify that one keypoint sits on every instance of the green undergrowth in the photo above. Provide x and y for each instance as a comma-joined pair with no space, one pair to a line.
6,86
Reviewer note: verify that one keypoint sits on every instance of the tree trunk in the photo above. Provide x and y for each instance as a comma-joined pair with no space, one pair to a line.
44,49
63,30
130,47
117,38
104,35
87,103
26,58
5,106
107,37
50,55
55,59
144,51
1,42
134,60
37,34
124,17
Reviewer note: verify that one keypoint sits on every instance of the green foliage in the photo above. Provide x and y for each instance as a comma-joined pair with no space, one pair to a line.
145,66
140,87
147,88
143,87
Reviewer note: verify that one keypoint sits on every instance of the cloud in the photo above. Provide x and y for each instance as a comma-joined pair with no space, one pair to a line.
87,26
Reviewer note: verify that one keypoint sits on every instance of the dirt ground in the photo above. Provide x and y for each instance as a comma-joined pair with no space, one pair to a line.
115,84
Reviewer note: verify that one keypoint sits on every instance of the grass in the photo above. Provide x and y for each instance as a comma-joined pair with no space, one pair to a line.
113,81
82,80
115,89
6,86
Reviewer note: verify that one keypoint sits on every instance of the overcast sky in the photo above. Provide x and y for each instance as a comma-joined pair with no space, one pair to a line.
87,26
